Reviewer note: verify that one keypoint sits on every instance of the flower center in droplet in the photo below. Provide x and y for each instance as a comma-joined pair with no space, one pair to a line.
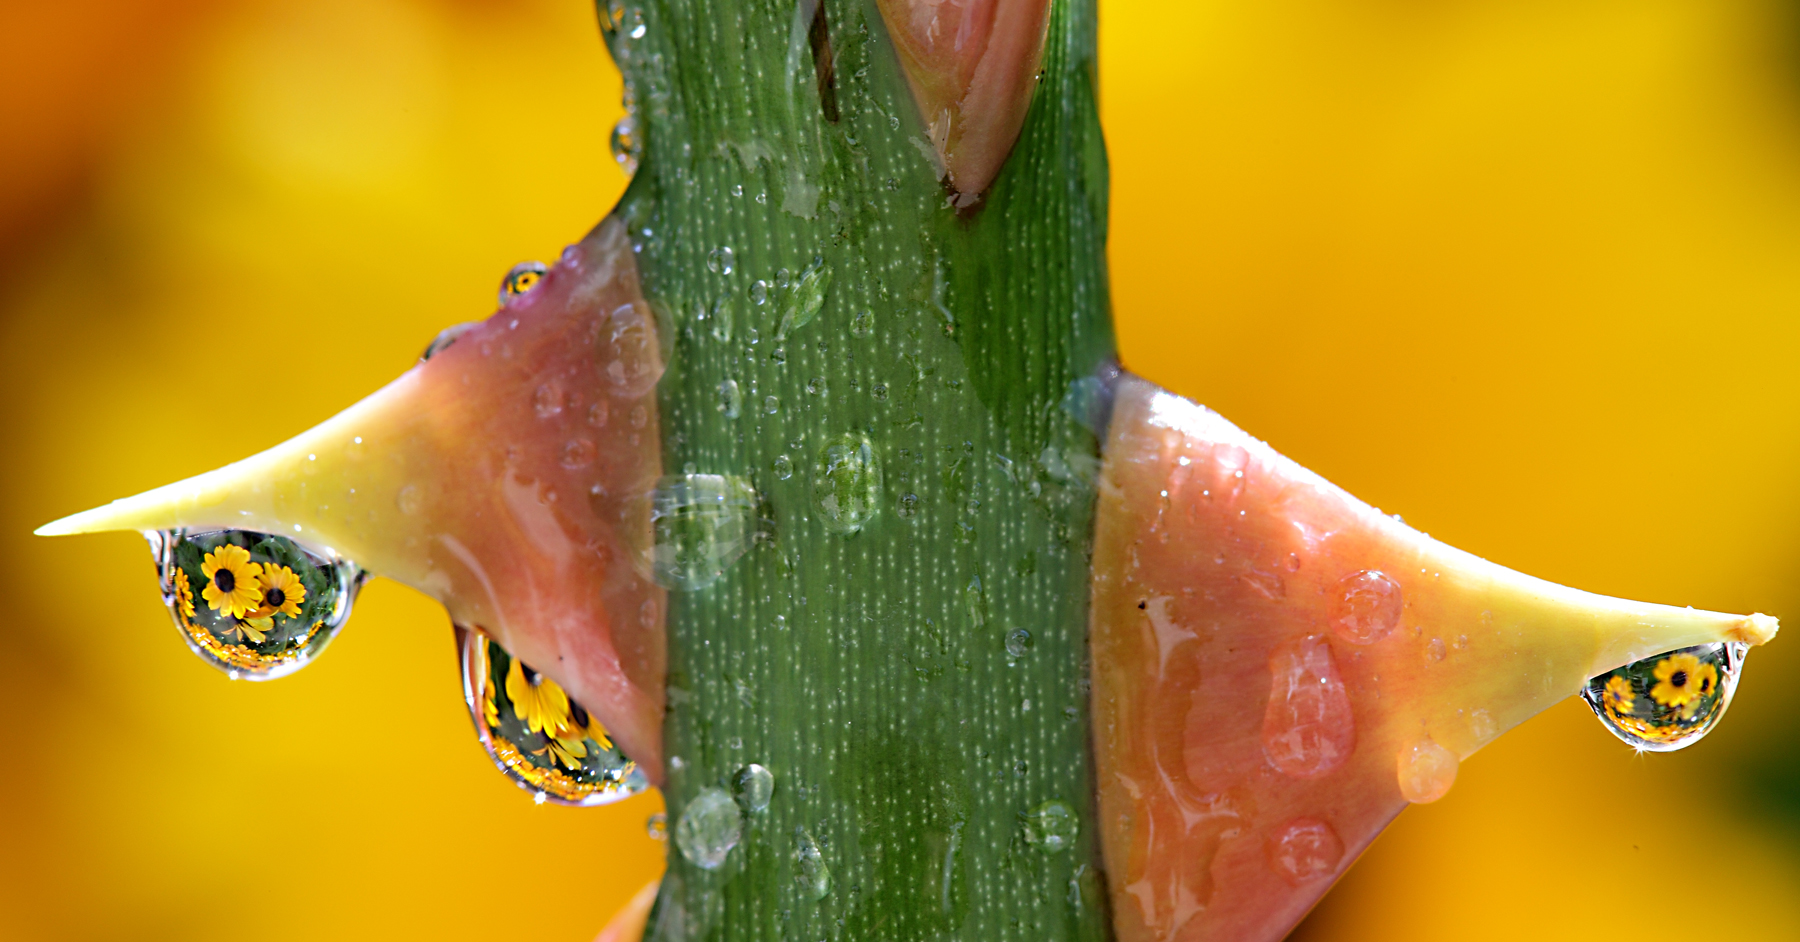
274,598
225,580
1679,679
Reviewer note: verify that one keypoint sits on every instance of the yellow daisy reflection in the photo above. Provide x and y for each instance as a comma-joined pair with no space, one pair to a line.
536,699
1618,695
282,592
232,581
184,593
1678,680
589,726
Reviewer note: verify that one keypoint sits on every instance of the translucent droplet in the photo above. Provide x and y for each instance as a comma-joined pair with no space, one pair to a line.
1667,702
759,292
1305,849
847,483
1018,641
448,335
520,279
907,506
629,353
879,391
863,323
810,871
1366,606
721,320
1308,729
721,261
540,737
627,147
709,828
1052,826
701,524
753,786
657,826
1426,771
816,386
254,605
771,405
784,467
731,399
805,299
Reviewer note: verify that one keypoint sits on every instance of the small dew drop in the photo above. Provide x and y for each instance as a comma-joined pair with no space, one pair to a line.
811,871
847,483
657,826
1051,827
701,524
731,399
1018,642
627,146
753,786
1366,606
721,261
1426,771
709,828
1305,849
759,292
784,467
519,281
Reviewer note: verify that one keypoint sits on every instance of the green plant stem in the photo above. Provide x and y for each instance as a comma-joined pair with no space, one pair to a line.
870,670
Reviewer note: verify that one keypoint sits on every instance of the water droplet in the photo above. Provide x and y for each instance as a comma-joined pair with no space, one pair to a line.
1307,729
771,405
1305,849
547,401
1435,650
636,28
627,146
847,483
753,786
1018,641
737,189
629,355
907,506
805,299
657,826
709,828
816,386
519,280
811,871
701,524
731,399
540,737
254,605
721,318
578,453
1052,826
880,392
721,261
1293,562
784,467
759,292
1366,606
1426,771
863,323
1667,702
448,335
410,500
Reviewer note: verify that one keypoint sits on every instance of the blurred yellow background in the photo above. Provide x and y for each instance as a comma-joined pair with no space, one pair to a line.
1527,271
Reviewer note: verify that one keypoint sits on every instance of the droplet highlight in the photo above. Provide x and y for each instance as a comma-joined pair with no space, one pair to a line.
700,525
847,483
1305,849
1308,729
1426,771
709,828
1670,701
1366,607
256,606
627,145
753,787
1052,827
537,734
519,281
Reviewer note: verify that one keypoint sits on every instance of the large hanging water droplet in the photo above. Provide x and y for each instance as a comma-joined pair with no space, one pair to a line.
254,605
1052,826
627,146
540,737
1667,702
847,483
700,524
520,279
709,828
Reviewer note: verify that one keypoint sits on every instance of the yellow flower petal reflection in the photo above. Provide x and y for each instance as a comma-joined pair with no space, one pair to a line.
1677,680
232,581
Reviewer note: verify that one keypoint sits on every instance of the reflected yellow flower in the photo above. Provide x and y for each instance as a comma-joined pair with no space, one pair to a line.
589,726
232,581
490,711
249,630
282,592
184,593
1677,680
536,699
1618,696
566,748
